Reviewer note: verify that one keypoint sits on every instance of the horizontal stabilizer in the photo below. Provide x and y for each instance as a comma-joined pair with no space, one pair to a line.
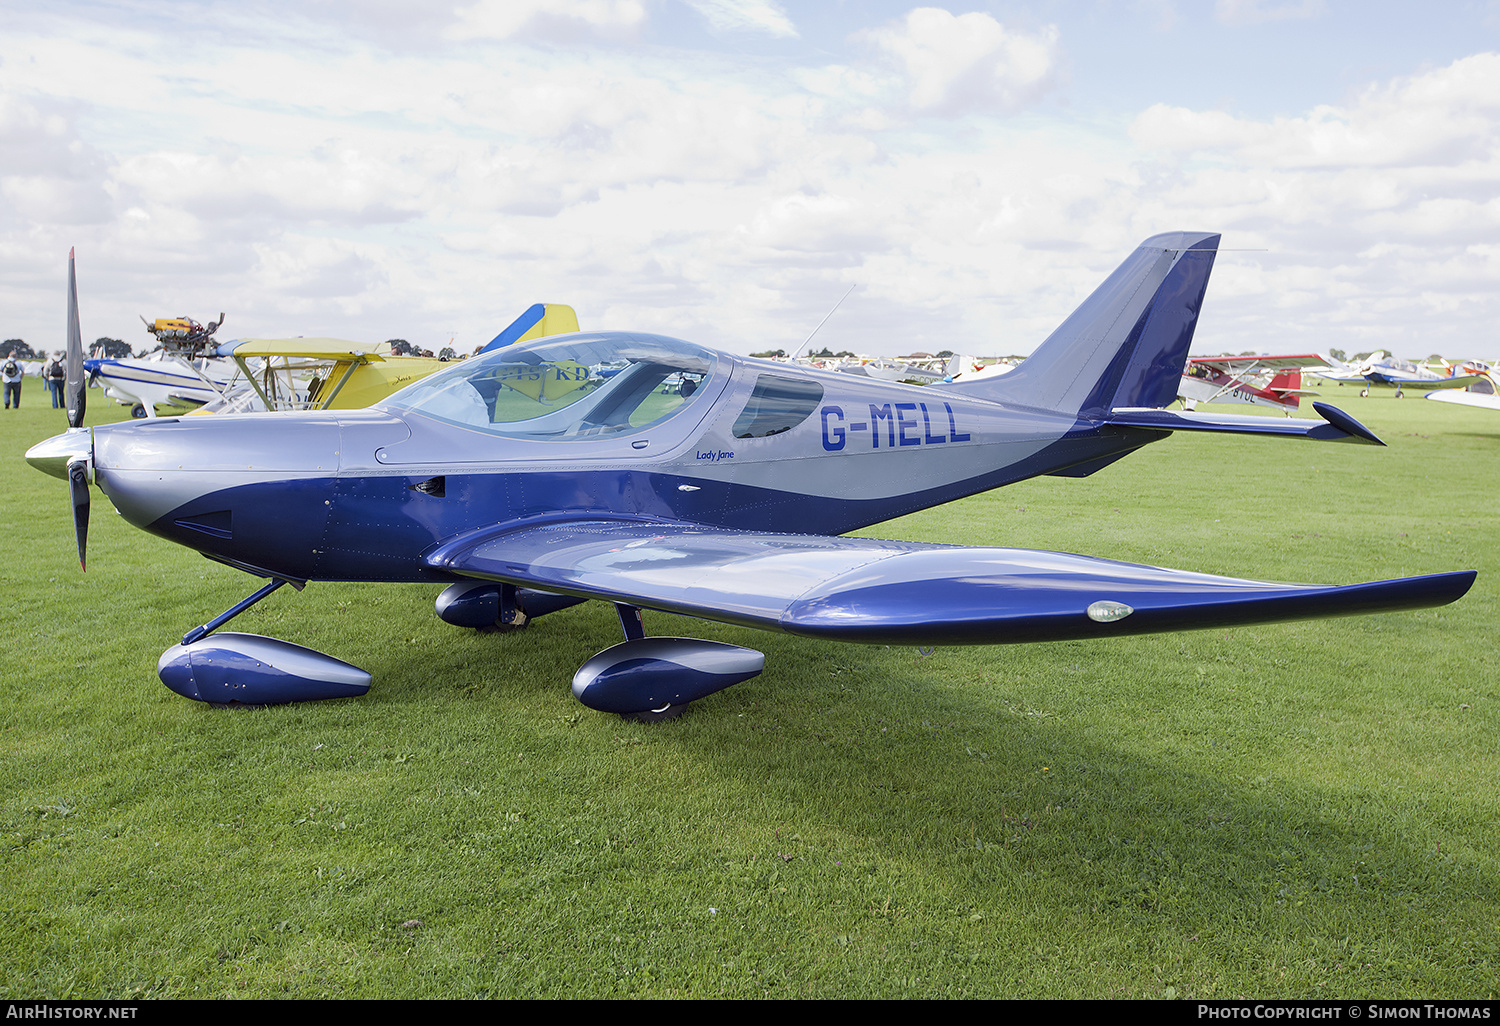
1337,426
861,589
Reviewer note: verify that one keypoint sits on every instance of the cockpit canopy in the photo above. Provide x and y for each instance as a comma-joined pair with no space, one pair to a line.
575,386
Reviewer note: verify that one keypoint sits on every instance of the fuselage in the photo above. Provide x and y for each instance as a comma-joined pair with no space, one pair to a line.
363,495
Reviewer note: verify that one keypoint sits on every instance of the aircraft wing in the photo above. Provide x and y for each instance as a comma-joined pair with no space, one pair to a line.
865,590
1483,400
306,348
1233,364
1460,381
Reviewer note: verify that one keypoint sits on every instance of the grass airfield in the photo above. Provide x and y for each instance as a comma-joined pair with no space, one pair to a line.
1304,810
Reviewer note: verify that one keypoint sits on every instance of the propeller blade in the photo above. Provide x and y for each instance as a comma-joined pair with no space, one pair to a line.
77,387
78,486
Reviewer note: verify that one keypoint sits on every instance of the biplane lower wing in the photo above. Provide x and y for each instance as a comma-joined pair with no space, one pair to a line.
866,590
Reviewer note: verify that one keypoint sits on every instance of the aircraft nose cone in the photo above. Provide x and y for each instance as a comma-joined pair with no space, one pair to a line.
53,455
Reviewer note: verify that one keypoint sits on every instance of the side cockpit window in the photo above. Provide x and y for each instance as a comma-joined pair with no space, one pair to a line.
778,403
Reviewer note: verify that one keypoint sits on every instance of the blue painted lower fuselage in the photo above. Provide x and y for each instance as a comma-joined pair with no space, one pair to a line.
305,520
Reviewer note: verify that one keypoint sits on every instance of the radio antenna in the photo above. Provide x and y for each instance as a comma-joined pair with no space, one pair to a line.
823,321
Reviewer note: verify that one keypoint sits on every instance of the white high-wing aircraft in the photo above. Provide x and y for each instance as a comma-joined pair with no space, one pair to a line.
182,373
163,379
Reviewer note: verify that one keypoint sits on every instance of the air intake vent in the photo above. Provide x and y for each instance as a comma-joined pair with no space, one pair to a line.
215,525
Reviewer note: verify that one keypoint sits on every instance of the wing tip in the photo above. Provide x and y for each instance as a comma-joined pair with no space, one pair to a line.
1347,424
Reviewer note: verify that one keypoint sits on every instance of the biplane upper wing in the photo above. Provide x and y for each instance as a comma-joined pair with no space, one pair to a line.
306,349
862,589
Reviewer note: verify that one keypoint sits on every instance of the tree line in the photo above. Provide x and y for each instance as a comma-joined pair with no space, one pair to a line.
111,347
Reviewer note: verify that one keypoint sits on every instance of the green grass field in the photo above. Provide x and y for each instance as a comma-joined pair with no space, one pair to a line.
1302,810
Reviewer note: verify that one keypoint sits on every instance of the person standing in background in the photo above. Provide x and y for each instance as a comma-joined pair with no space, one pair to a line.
54,374
10,373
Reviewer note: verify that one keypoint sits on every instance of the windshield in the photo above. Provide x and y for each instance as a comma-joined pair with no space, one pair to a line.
579,386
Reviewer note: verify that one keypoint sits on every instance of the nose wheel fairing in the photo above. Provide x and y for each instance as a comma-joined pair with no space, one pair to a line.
249,669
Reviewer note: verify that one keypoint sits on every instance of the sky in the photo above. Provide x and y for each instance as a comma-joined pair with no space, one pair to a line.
724,170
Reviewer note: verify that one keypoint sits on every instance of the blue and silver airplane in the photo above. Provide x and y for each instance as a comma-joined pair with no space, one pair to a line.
1382,371
526,484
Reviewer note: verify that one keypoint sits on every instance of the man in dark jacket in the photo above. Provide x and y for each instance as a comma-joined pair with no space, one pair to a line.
11,374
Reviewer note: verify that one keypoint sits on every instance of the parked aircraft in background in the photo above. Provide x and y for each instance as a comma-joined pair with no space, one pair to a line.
314,374
538,321
1380,370
977,370
181,373
336,374
162,379
192,373
913,370
1483,400
1483,393
525,487
1274,381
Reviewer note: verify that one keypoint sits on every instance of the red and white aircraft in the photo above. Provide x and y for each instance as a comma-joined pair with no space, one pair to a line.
1274,381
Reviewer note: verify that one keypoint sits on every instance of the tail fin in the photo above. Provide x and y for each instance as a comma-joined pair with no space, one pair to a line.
1288,386
1127,344
539,320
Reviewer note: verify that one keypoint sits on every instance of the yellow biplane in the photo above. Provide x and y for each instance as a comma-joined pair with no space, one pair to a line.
337,374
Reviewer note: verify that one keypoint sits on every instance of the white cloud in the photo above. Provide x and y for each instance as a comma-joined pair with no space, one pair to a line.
321,183
1445,116
1371,210
549,19
956,63
760,16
